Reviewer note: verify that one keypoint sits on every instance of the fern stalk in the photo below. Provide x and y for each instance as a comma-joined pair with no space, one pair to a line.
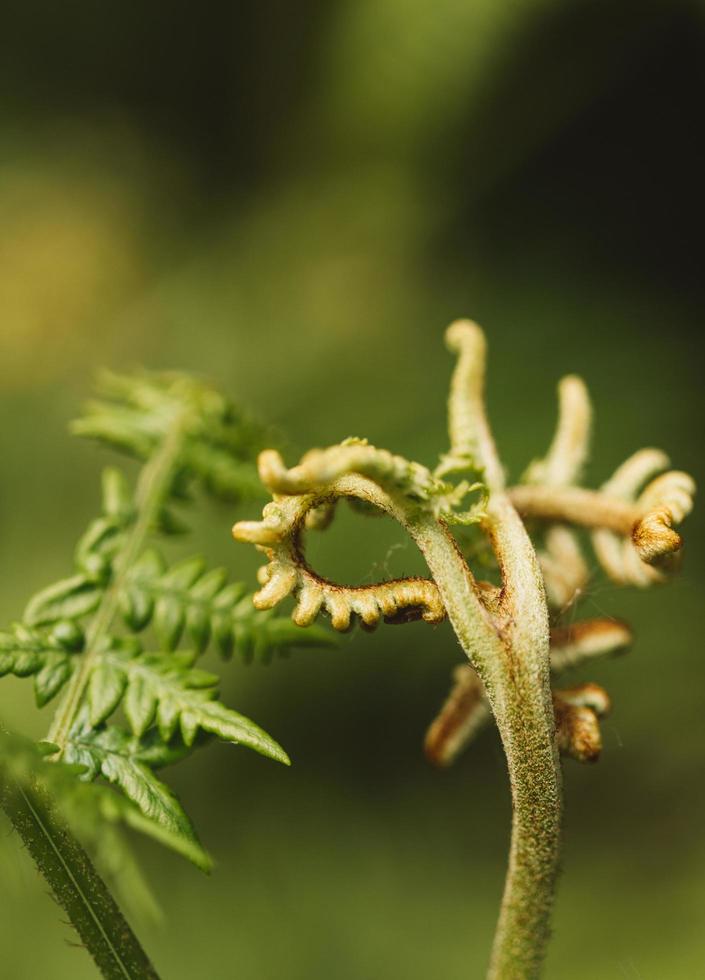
152,491
516,681
76,884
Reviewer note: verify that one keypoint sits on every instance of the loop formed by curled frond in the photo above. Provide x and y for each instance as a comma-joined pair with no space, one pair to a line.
279,534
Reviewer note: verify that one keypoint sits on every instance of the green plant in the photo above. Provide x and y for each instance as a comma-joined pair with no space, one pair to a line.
128,708
504,627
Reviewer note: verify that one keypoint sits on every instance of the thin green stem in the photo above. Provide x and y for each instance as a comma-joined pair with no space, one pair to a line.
75,884
152,490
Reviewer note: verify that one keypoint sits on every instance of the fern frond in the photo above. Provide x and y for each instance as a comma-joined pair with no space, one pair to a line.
166,689
42,654
101,542
188,601
68,599
80,594
86,805
137,412
115,755
65,865
78,636
184,601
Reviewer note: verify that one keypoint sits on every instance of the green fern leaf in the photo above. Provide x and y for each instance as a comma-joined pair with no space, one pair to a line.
187,435
105,535
115,755
166,689
87,805
134,432
105,690
186,600
44,654
117,496
224,476
71,598
51,678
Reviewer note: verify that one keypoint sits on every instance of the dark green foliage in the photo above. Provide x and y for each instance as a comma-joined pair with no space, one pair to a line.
65,865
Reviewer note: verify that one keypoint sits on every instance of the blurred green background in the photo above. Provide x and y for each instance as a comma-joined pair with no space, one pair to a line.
294,200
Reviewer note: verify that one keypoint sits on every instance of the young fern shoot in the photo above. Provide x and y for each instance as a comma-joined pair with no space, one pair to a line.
504,630
82,638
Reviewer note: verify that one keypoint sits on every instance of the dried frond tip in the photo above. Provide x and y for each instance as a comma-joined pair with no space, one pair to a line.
667,500
587,639
463,714
466,710
578,710
651,541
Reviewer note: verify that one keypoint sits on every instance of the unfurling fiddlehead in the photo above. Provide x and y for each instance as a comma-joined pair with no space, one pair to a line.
503,629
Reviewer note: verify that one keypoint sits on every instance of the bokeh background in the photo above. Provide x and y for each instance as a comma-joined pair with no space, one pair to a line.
294,200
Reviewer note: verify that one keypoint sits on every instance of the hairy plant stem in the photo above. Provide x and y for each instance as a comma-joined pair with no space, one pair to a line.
152,490
509,647
75,884
513,665
515,671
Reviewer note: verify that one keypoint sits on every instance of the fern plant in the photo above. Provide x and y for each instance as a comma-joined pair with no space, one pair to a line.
104,643
507,627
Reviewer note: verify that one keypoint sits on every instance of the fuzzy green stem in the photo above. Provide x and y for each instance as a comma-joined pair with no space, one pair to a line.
517,695
510,651
152,491
514,667
75,884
